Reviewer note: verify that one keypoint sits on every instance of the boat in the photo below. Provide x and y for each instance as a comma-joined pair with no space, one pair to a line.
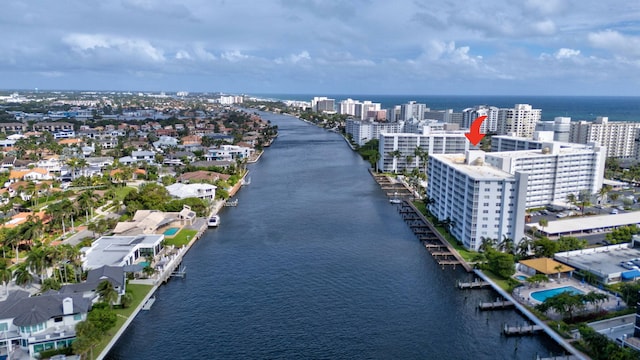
214,220
395,199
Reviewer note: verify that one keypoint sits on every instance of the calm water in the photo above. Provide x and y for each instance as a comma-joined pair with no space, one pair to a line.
622,108
315,263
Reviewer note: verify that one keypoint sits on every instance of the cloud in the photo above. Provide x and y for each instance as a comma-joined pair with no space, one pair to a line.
233,56
565,53
619,44
89,45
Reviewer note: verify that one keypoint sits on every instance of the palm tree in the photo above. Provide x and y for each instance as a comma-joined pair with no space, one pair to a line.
395,154
524,246
543,223
87,200
22,275
507,245
486,244
5,276
107,292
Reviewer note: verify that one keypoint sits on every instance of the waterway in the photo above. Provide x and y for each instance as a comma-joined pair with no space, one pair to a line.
315,263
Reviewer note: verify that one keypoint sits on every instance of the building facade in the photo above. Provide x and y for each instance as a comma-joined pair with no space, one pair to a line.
398,150
490,124
521,120
554,171
479,200
618,137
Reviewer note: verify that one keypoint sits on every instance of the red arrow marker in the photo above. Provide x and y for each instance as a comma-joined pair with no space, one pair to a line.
474,135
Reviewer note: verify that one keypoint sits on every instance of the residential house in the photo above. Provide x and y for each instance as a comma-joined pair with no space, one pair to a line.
44,322
200,191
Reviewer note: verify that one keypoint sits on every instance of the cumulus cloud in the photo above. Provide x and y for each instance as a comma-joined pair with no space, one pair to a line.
565,53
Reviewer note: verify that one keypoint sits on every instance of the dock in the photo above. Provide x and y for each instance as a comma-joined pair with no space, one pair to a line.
496,305
149,303
521,329
441,251
476,284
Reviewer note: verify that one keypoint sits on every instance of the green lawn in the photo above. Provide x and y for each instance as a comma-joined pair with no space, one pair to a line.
182,238
122,191
138,291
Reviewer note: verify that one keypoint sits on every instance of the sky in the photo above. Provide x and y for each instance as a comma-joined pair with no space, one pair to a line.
428,47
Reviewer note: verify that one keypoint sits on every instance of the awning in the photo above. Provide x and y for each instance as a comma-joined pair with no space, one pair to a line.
632,274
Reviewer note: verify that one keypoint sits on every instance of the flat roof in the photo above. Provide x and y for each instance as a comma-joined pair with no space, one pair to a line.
517,154
112,250
477,172
604,260
577,224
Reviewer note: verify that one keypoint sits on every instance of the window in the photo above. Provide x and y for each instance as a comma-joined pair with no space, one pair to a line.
57,319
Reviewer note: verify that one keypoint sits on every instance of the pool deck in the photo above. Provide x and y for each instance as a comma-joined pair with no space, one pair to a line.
534,319
523,293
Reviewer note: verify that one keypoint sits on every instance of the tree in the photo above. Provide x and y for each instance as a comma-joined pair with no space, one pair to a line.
22,276
501,264
395,154
5,276
126,299
107,292
564,303
87,337
543,223
507,245
544,247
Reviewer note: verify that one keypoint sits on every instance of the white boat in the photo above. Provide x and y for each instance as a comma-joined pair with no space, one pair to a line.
214,220
395,199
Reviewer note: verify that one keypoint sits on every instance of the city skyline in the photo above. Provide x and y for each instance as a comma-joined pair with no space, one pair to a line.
364,47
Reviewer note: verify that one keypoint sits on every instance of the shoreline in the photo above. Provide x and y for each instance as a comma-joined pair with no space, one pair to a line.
166,274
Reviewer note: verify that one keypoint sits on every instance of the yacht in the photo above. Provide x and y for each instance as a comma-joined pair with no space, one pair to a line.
395,199
214,220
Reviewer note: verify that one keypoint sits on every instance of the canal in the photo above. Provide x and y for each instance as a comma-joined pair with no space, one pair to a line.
315,263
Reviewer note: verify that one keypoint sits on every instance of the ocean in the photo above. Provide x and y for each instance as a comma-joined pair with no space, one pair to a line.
616,108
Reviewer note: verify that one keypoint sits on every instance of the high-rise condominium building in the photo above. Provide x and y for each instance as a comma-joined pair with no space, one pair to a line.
555,171
519,121
618,137
480,201
398,150
412,110
490,124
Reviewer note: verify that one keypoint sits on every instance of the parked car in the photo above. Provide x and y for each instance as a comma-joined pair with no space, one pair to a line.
614,211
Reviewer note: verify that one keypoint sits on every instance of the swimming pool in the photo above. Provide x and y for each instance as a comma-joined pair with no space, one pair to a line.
545,294
171,231
521,277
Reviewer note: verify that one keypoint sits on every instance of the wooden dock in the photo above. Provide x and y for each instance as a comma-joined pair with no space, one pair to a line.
496,305
521,329
473,285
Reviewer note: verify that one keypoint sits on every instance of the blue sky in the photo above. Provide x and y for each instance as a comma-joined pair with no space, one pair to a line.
527,47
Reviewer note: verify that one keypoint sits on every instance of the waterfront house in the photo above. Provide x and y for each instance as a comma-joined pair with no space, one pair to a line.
120,250
200,191
44,322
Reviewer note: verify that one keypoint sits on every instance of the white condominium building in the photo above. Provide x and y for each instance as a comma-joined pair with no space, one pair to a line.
358,109
412,110
555,171
619,137
490,124
521,120
364,131
322,104
480,200
398,150
560,126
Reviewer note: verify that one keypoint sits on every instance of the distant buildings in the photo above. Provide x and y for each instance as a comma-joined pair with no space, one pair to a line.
323,105
618,137
521,120
363,131
490,124
478,200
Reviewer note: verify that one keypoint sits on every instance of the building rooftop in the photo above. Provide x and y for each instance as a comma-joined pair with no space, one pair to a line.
112,250
479,170
584,223
603,261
